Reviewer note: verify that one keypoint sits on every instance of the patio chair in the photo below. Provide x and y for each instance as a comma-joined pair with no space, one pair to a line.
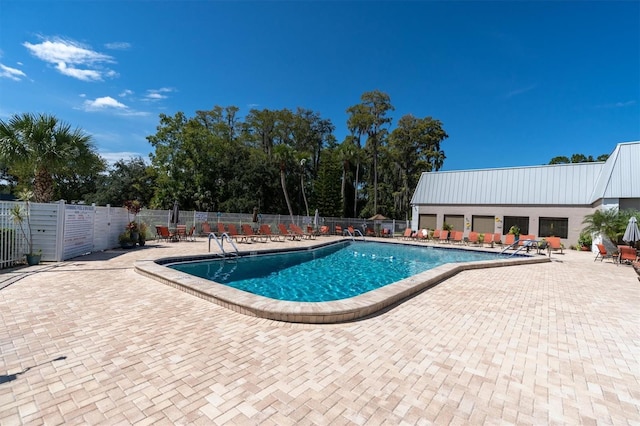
627,254
473,238
553,244
206,229
338,230
602,253
233,233
444,236
407,234
436,234
181,232
324,230
298,232
286,233
266,230
248,233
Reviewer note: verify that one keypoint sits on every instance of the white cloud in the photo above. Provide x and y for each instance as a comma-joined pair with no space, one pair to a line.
72,59
103,103
126,93
520,91
157,94
113,157
118,45
12,73
617,104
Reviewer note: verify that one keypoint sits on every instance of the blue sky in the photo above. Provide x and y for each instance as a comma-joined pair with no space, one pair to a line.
514,83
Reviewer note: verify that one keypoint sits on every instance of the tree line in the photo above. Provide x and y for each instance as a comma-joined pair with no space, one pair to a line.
281,161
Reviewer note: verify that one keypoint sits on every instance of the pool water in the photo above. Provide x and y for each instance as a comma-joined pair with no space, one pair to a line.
332,272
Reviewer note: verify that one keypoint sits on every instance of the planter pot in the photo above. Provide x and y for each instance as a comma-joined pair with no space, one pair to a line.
127,244
33,259
141,241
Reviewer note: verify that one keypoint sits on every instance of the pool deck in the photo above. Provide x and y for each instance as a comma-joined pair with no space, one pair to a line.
555,342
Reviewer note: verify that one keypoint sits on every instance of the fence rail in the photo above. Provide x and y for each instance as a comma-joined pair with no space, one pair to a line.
62,231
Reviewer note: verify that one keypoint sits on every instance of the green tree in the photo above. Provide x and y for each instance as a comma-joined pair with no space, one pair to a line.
414,147
577,158
326,186
37,147
130,179
370,117
607,222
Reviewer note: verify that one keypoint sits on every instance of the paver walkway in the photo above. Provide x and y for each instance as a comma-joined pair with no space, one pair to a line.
89,341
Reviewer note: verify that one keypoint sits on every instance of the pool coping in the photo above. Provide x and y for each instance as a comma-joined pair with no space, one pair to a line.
337,311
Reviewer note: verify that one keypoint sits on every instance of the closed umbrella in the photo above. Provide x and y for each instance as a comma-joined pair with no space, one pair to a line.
632,233
316,220
175,213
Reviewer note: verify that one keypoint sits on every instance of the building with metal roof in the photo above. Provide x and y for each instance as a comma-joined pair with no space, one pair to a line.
541,200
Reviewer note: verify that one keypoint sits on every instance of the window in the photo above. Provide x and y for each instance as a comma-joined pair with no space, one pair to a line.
554,227
483,224
427,221
456,221
521,222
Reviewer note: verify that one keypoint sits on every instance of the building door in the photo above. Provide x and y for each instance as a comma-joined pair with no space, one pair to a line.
427,221
455,220
483,224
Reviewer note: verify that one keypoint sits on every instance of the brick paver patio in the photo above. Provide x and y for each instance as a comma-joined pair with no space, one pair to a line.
552,343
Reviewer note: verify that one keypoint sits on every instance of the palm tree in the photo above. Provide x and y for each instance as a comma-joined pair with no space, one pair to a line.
39,146
607,222
283,155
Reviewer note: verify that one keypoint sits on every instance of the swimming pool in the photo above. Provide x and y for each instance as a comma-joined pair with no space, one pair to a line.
334,272
342,310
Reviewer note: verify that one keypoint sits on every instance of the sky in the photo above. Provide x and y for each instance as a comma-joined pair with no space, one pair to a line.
514,83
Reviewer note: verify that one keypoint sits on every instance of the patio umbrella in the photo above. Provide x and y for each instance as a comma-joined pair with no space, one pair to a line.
175,213
632,233
316,220
378,216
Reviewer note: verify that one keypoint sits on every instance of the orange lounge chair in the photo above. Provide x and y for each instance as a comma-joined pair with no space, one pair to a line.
473,237
206,229
603,254
456,237
407,234
286,233
436,234
421,235
221,229
299,232
627,254
444,236
509,239
266,230
233,233
248,233
181,232
338,230
553,243
324,230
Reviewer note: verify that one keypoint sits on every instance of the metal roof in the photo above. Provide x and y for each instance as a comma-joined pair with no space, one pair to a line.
560,184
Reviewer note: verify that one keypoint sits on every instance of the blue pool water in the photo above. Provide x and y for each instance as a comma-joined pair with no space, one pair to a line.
332,272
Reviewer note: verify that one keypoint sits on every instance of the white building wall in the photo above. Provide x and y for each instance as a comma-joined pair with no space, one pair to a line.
575,216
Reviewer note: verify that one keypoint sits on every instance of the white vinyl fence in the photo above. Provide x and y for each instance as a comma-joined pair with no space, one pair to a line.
63,231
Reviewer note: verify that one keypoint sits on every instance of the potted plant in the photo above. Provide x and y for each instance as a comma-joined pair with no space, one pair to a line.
133,208
584,241
142,234
515,231
126,240
21,215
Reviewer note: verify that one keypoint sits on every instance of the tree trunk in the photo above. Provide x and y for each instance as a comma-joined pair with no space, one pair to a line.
355,190
286,195
42,186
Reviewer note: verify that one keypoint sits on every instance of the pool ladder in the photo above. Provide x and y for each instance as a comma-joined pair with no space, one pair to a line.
355,232
220,242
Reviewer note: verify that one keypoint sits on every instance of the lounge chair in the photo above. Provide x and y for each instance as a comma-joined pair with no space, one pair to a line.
473,238
444,236
436,234
164,233
421,235
627,254
248,233
509,239
206,229
553,244
221,229
407,234
603,254
324,230
286,233
456,237
266,230
338,230
181,232
233,233
296,230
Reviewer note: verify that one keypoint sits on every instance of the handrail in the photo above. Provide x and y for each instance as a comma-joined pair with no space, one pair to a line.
355,231
524,246
220,242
